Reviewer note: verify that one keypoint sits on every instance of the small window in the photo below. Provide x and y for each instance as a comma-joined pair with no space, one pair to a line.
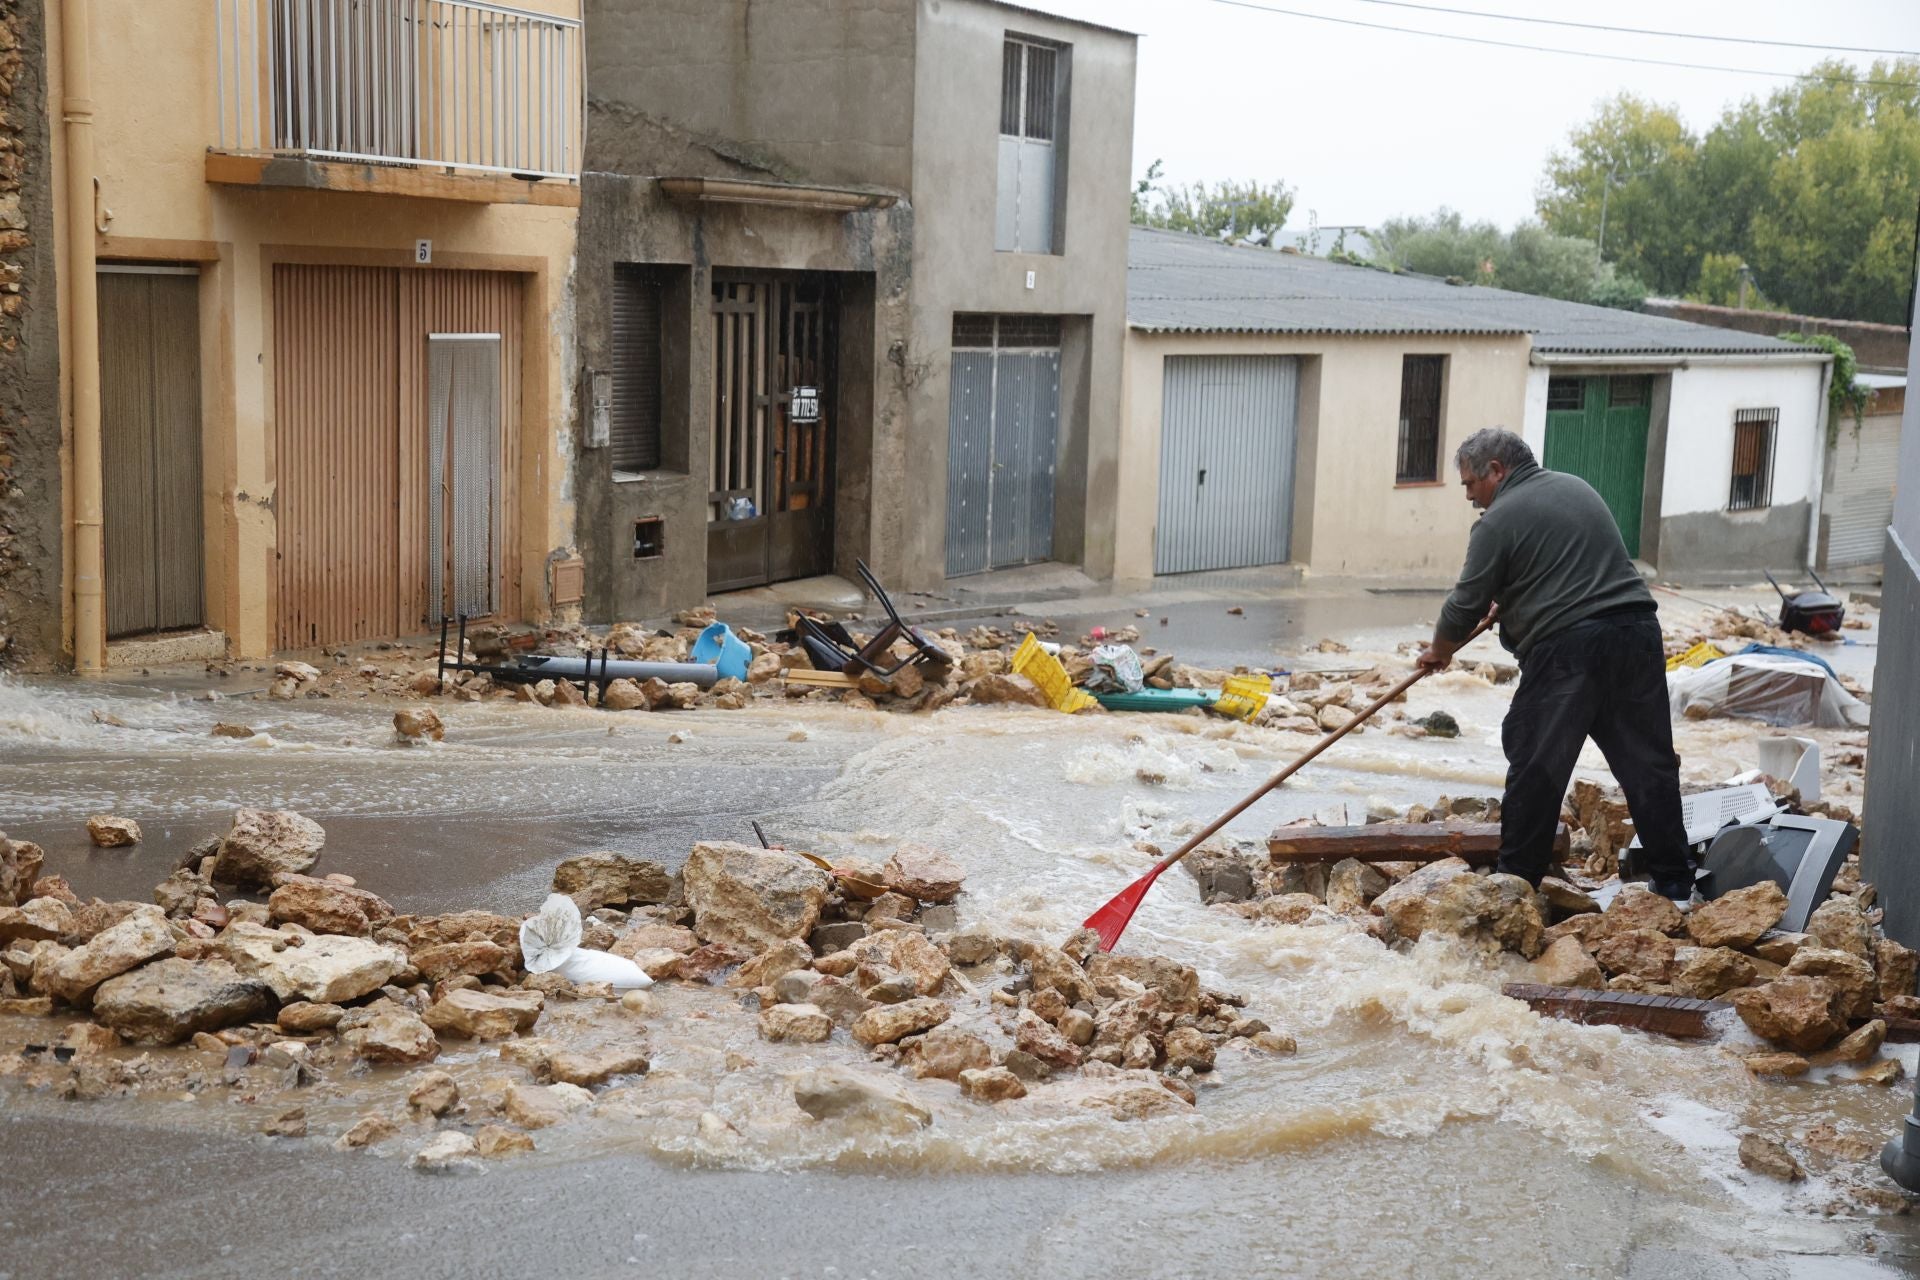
1753,432
984,332
1565,394
1026,90
1626,392
635,427
1420,379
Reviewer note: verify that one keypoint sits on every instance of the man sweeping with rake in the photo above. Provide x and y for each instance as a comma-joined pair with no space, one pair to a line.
1548,561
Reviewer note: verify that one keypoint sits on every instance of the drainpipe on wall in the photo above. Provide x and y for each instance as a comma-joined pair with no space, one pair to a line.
89,619
1817,486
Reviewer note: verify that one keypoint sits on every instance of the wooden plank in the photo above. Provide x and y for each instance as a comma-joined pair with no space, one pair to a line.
1478,843
1668,1015
1902,1030
825,679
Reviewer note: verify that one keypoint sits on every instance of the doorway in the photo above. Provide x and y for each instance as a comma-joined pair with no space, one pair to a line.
1003,431
1597,430
770,501
150,448
1228,426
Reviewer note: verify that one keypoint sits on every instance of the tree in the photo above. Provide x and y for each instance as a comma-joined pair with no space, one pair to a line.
1243,209
1530,259
1815,188
1625,184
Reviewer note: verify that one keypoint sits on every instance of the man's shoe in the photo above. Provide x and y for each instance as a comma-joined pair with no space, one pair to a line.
1680,896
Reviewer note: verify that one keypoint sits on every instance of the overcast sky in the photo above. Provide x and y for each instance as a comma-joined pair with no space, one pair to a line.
1367,124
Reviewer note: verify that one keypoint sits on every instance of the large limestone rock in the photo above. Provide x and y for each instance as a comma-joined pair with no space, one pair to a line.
445,1152
141,937
612,880
35,920
944,1052
895,953
1644,953
1496,910
1405,905
1567,964
534,1106
593,1068
1352,885
887,1023
20,862
326,907
1033,1034
796,1023
1008,688
419,723
1798,1012
625,695
323,968
169,1000
485,1015
991,1084
752,897
472,958
1897,966
1841,925
110,832
1852,978
394,1035
1175,985
266,842
1737,919
922,873
831,1093
1638,907
1707,973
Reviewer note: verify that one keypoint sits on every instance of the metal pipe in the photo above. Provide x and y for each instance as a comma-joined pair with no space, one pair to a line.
89,614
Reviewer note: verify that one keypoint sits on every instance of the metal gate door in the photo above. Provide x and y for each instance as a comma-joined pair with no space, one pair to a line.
1597,430
770,512
463,473
150,447
1860,486
1227,433
1003,426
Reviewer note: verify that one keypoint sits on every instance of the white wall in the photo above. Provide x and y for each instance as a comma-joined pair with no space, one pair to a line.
1699,464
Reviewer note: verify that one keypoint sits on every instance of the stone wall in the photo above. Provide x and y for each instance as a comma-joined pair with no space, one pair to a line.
1875,346
30,524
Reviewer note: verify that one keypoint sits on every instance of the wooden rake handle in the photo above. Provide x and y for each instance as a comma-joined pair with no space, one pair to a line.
1312,752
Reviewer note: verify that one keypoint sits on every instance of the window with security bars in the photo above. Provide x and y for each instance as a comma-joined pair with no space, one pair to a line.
1565,394
635,419
1032,106
1419,453
1753,433
985,332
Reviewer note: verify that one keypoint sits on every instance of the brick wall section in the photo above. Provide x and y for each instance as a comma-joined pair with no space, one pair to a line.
1875,346
30,524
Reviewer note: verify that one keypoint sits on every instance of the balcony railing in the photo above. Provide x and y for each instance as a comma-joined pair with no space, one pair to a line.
459,84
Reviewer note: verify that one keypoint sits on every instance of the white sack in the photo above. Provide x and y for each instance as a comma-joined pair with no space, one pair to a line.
1759,686
550,943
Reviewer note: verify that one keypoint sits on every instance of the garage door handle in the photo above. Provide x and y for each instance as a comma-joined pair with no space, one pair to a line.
1203,475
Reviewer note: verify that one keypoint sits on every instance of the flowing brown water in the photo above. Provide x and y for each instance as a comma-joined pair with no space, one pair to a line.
1440,1124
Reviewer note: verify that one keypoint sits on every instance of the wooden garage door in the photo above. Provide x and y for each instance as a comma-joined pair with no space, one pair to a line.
350,394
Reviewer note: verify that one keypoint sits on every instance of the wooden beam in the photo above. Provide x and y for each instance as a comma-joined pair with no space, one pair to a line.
824,679
1668,1015
1479,843
294,173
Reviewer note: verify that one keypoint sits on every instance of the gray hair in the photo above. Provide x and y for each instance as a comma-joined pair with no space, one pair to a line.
1490,445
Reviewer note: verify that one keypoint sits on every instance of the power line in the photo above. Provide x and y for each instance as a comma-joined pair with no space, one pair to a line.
1640,31
1574,53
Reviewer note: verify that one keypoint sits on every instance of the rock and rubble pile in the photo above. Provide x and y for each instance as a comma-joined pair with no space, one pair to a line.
313,978
1821,997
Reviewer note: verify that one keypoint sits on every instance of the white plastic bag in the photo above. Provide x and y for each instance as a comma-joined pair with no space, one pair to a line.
1116,669
1779,691
550,943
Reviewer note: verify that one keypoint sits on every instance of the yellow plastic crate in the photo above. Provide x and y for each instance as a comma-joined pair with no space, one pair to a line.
1244,697
1041,667
1698,656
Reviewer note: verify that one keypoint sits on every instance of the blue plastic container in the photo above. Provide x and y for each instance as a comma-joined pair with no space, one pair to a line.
718,645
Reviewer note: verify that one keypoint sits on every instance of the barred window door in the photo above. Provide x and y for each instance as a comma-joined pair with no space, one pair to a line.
1753,433
1421,378
1030,113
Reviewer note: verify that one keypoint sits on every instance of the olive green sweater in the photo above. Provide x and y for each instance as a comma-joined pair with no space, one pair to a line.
1547,551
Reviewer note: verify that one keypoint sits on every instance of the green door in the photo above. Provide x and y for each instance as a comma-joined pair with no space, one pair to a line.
1597,430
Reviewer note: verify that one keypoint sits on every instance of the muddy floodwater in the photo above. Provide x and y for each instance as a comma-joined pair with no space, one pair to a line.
1427,1126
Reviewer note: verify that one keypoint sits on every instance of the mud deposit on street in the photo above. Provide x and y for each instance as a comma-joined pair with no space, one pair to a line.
1427,1125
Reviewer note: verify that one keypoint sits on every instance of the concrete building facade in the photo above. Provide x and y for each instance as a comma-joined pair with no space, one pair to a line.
314,298
798,221
1283,408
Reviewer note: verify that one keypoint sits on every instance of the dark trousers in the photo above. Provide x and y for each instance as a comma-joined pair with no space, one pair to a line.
1604,679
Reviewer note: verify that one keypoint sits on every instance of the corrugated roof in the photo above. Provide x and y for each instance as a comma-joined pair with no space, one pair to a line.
1188,284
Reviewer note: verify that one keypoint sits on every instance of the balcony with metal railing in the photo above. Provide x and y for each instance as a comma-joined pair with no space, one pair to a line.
450,99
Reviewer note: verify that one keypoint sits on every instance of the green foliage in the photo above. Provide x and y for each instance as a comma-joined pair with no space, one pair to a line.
1530,259
1815,187
1845,395
1241,208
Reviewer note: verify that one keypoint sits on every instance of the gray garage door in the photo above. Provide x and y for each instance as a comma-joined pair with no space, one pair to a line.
1860,497
1226,462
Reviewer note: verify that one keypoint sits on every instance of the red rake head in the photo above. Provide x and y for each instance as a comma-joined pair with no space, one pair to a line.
1111,920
